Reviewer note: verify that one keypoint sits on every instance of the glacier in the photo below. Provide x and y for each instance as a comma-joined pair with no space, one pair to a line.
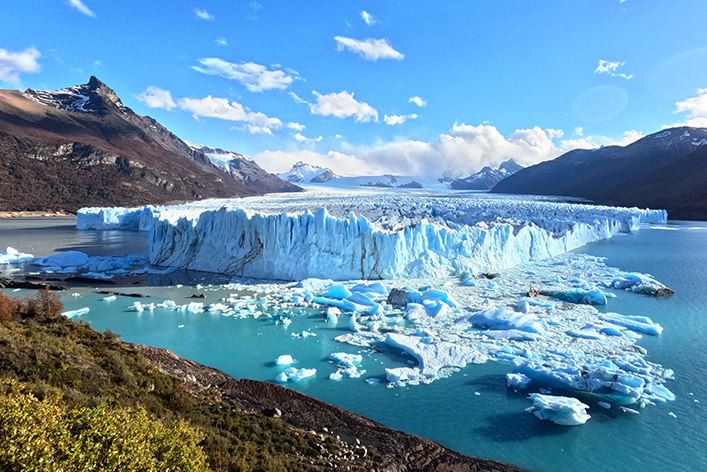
367,235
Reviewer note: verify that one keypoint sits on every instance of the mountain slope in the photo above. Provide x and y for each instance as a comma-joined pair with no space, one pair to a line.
487,177
80,146
304,173
666,170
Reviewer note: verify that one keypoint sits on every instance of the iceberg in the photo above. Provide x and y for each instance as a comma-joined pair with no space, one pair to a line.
517,381
75,313
640,283
294,374
566,411
13,256
284,359
502,318
584,297
639,324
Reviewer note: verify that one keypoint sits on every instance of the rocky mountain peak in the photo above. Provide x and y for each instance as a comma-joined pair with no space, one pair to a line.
91,97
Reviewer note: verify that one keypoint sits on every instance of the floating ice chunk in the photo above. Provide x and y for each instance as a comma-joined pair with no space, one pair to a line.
605,405
281,377
332,315
345,359
402,374
501,318
314,285
415,312
64,259
343,305
295,375
110,298
639,324
578,295
284,359
432,356
566,411
168,304
640,283
13,256
435,308
75,313
610,331
517,381
376,287
353,324
439,295
338,292
361,299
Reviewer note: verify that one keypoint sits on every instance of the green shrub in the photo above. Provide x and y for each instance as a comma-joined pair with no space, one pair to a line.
47,434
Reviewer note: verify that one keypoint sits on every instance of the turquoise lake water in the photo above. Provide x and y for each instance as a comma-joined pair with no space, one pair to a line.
472,411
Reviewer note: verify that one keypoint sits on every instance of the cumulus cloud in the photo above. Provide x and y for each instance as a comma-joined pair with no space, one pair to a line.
15,63
295,126
371,49
303,139
368,18
255,77
155,97
611,68
203,14
463,150
212,107
419,101
80,6
398,119
222,42
695,108
342,105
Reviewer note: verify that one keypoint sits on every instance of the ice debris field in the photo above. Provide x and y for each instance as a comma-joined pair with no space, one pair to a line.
438,281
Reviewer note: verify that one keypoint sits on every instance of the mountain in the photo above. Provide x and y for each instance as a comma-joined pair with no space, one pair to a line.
80,146
487,177
245,170
667,169
304,173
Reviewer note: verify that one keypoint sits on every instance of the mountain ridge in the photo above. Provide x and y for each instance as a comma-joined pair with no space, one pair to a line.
666,169
80,146
487,177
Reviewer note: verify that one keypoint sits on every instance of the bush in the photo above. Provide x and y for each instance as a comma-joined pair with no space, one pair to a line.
45,305
49,435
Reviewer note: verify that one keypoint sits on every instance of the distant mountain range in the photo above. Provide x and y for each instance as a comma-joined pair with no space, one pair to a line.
303,173
80,146
487,177
667,169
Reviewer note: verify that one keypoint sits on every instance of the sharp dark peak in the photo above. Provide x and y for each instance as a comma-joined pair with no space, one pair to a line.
92,97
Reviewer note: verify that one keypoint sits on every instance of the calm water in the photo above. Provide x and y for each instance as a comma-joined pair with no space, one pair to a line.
493,422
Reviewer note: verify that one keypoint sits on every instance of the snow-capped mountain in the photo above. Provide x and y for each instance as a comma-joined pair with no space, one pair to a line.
667,169
487,177
81,146
304,173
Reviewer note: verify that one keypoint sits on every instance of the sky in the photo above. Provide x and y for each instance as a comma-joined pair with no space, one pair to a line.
429,88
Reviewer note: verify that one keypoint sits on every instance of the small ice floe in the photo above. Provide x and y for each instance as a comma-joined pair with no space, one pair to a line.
74,313
630,410
353,324
338,292
637,323
517,381
565,411
501,318
332,315
303,334
75,294
347,365
374,288
284,359
110,298
13,256
403,374
670,413
640,283
293,374
180,326
605,405
577,295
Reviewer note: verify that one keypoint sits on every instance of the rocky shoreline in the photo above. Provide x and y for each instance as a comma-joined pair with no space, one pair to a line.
369,445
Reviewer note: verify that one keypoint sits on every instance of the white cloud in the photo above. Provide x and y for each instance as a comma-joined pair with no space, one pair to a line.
463,150
212,107
222,42
696,109
368,18
155,97
80,6
255,77
303,139
611,68
398,119
370,49
419,101
343,105
15,63
203,14
296,126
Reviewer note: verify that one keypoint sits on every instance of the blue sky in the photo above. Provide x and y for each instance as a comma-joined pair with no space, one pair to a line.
498,79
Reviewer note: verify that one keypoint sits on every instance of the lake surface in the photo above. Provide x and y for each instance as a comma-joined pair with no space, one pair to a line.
472,411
